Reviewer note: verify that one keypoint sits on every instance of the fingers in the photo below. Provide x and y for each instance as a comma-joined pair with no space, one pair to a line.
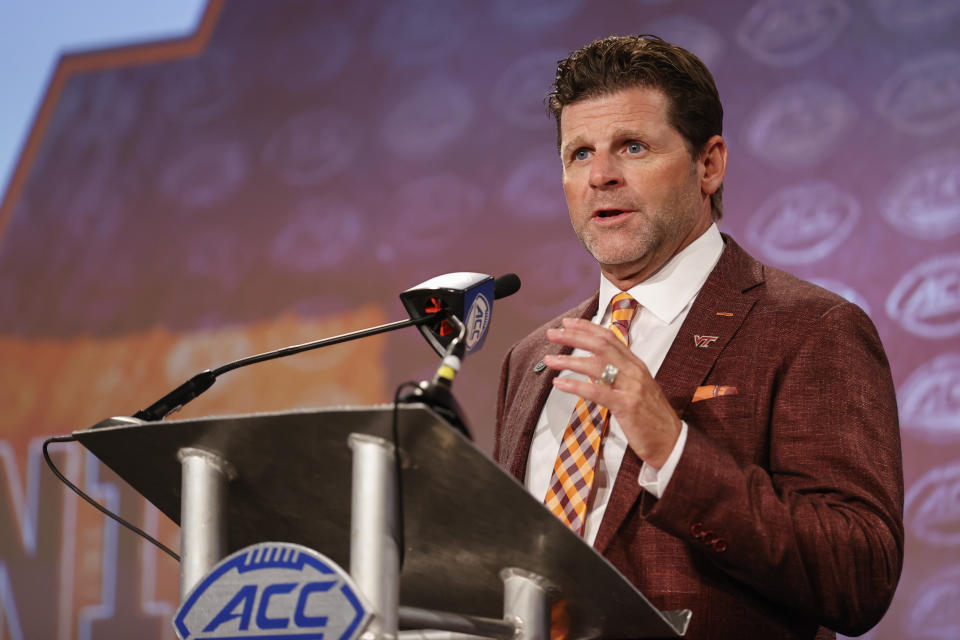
589,366
601,394
583,334
601,342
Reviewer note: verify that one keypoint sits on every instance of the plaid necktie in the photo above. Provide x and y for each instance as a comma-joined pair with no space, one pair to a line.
572,479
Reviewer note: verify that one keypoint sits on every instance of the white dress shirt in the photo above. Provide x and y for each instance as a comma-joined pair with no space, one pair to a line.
665,299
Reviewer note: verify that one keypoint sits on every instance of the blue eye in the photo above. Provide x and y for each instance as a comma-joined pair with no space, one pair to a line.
580,154
634,147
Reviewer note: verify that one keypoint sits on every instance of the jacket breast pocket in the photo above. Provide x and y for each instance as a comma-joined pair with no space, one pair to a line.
733,422
722,407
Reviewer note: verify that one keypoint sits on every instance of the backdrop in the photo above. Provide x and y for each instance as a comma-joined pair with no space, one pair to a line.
284,173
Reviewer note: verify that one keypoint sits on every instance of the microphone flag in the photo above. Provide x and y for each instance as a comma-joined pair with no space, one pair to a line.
466,295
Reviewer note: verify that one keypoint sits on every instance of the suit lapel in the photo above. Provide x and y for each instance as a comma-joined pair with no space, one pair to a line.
717,313
539,386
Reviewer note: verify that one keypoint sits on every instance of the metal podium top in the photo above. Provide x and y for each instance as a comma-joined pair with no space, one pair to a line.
465,519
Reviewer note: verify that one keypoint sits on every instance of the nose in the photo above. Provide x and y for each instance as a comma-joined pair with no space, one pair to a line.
605,172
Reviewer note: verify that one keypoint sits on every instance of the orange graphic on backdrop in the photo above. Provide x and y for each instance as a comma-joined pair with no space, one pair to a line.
54,386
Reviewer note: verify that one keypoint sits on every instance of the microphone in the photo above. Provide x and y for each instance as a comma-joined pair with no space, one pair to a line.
202,381
455,292
466,295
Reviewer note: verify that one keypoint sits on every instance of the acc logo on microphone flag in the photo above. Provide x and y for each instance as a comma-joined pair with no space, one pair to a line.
477,321
274,590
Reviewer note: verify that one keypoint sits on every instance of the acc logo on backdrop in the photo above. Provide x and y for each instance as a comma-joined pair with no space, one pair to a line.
843,290
560,285
798,125
923,96
534,14
783,34
429,117
934,612
692,34
273,590
530,192
426,214
916,15
91,205
198,90
105,110
298,151
518,92
924,201
930,400
803,223
322,232
204,173
420,31
309,58
932,506
926,300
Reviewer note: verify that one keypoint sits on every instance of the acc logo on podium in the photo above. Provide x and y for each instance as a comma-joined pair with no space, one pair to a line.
273,590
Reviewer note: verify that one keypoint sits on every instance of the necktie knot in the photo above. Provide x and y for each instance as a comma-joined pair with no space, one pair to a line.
622,309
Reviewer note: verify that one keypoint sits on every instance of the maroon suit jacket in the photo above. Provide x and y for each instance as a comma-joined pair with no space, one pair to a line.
784,513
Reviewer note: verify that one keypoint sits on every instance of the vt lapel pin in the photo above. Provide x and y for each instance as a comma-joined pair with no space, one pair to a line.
704,341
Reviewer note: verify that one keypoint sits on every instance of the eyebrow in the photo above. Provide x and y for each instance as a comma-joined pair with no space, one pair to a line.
618,135
576,143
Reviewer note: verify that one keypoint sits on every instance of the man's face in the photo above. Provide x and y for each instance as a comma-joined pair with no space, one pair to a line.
633,190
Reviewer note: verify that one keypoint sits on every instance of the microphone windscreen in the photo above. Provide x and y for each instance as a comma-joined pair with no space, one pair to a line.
505,285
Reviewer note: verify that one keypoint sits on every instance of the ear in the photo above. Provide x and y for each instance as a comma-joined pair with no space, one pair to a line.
713,165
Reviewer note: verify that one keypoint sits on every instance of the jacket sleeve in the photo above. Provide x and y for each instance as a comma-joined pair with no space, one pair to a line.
815,520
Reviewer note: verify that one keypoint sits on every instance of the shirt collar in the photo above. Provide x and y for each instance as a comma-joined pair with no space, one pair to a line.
668,292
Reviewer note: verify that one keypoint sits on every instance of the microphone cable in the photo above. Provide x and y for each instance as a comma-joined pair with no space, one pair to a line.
443,378
132,527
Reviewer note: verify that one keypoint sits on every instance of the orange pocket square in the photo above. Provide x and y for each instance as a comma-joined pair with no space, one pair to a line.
713,391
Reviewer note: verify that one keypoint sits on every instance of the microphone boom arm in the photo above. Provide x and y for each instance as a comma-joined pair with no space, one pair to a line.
205,379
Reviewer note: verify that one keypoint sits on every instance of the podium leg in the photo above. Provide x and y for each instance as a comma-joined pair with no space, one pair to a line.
374,556
526,602
203,523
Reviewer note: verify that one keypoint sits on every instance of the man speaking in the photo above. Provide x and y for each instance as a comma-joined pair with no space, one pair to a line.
724,433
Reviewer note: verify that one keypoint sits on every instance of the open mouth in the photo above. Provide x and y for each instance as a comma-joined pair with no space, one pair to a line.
609,213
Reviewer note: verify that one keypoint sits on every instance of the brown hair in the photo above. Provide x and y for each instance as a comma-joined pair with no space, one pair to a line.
621,62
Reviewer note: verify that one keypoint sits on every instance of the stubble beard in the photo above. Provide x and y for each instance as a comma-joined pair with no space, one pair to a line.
623,244
643,236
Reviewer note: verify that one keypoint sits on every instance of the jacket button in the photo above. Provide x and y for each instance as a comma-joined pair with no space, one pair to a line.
697,530
719,545
709,537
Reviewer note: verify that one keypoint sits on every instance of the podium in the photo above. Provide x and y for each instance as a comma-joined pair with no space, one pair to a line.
470,530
